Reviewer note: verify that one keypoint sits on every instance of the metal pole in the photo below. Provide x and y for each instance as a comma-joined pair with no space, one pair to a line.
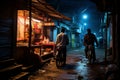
106,38
30,24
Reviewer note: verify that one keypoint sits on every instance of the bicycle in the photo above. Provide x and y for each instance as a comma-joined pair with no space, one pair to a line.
60,58
89,54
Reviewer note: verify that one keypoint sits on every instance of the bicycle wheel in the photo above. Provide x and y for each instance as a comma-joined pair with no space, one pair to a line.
89,56
59,59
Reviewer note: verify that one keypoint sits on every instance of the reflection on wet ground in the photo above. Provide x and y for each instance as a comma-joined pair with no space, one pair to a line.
77,68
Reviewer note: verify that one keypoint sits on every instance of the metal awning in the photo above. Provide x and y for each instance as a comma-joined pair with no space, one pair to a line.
40,6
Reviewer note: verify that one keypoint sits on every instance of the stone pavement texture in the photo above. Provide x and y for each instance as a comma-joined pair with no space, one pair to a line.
77,68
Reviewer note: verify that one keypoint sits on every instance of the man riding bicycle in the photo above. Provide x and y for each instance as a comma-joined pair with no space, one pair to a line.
61,43
90,39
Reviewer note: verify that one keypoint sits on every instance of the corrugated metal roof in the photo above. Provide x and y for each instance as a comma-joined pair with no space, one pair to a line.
47,9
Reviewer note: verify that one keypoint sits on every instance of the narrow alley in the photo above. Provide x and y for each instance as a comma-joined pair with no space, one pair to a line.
77,68
31,30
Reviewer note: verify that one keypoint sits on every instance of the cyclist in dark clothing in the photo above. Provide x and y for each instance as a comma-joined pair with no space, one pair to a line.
90,39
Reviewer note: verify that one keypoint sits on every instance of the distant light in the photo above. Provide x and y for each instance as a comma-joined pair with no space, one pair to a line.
85,24
85,16
94,33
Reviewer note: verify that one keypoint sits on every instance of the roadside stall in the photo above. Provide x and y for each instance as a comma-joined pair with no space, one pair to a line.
26,28
34,43
35,28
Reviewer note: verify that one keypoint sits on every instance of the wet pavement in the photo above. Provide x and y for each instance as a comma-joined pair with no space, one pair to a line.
76,68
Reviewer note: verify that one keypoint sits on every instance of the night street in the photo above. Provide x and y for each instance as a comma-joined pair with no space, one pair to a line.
32,31
77,68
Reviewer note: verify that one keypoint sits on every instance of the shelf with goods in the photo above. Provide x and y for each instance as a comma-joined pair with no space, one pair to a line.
45,51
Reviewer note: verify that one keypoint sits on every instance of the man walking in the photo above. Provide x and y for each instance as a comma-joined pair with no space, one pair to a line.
62,41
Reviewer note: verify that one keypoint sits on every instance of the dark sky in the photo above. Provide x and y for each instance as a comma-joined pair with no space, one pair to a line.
77,8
